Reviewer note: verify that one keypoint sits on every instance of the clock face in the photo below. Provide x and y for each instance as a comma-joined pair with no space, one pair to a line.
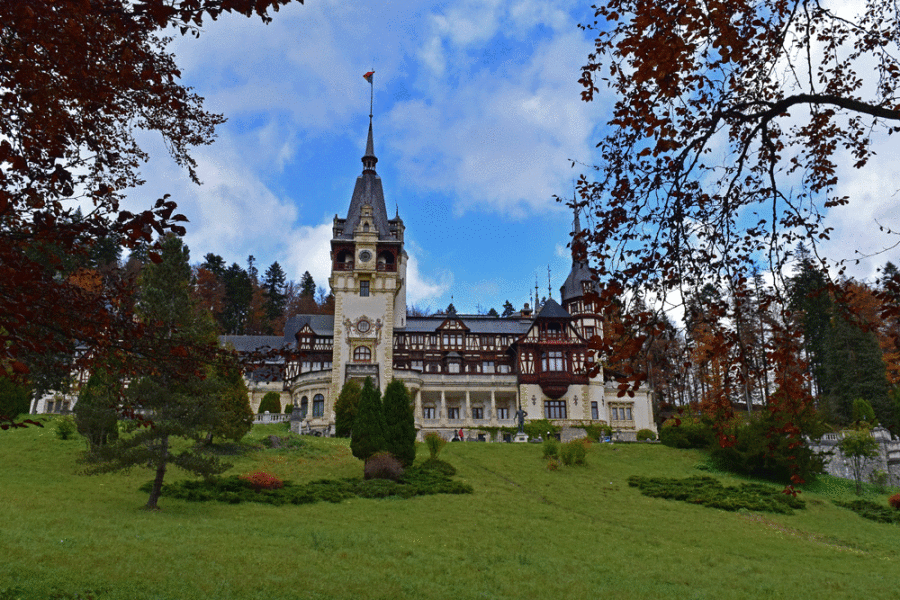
363,326
365,256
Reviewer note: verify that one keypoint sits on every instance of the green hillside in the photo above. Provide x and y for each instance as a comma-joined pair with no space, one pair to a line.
526,532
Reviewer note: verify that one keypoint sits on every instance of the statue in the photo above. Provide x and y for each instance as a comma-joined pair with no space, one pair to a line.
520,417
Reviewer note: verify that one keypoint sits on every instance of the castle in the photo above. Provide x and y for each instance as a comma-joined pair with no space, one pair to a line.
463,371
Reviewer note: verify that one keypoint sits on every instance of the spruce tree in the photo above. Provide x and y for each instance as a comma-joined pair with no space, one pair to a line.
346,407
508,309
369,425
400,431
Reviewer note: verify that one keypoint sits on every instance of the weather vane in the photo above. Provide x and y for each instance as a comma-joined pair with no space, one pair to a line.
369,76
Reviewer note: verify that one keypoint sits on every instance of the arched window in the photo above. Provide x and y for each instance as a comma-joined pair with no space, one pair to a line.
362,354
304,407
318,405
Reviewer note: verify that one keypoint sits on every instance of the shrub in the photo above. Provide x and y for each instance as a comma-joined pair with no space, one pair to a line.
871,510
438,466
758,453
709,491
553,464
271,402
894,501
541,428
435,444
260,480
550,448
66,428
597,431
574,452
383,465
687,435
645,434
288,409
879,479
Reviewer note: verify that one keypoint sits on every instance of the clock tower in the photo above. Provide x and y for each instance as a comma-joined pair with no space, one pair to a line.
368,280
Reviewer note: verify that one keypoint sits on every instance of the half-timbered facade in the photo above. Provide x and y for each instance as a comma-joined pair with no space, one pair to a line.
463,371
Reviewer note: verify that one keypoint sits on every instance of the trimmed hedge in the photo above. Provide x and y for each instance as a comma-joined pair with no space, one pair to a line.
871,510
270,402
709,491
419,480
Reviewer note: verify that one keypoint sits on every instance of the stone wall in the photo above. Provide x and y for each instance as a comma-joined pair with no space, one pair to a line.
838,465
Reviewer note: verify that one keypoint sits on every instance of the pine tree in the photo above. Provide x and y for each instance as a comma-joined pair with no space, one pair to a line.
508,309
176,394
369,425
400,428
493,313
233,415
346,407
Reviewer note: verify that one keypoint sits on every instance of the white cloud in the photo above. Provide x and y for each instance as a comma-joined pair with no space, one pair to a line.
308,249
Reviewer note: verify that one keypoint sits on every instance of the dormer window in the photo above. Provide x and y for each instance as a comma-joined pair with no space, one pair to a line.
366,227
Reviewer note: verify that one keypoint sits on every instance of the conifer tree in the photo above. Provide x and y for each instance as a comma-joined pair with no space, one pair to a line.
369,425
508,309
400,426
346,407
96,414
175,395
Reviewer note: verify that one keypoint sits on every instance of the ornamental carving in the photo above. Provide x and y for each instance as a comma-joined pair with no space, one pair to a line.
363,328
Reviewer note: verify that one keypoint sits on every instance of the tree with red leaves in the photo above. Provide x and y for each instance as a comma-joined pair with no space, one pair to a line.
78,80
730,119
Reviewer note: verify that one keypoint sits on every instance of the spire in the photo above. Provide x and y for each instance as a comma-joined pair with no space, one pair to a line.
369,159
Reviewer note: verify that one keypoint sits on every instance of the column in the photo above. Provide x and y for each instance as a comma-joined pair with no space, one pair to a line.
493,410
418,409
442,412
467,418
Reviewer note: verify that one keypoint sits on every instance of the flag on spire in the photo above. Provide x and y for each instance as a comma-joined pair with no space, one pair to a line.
368,76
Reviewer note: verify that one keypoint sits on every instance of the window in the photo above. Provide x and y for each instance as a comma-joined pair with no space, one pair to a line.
453,340
487,366
554,409
416,364
553,361
503,413
477,412
453,413
621,413
364,287
588,332
318,405
503,369
304,407
453,367
595,412
428,412
362,354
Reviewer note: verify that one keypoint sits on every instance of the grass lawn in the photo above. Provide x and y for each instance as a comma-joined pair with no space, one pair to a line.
526,532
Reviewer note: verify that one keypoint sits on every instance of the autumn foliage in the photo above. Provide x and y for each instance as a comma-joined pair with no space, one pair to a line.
78,80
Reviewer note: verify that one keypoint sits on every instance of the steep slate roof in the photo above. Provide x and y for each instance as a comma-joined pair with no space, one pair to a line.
552,310
475,323
322,325
253,343
580,272
367,191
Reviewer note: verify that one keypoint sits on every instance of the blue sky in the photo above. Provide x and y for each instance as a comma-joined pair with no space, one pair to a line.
477,119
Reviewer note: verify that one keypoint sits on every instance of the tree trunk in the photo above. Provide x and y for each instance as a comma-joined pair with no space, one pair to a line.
160,473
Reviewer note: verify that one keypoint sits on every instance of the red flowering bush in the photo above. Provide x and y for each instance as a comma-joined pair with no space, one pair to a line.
895,501
260,480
